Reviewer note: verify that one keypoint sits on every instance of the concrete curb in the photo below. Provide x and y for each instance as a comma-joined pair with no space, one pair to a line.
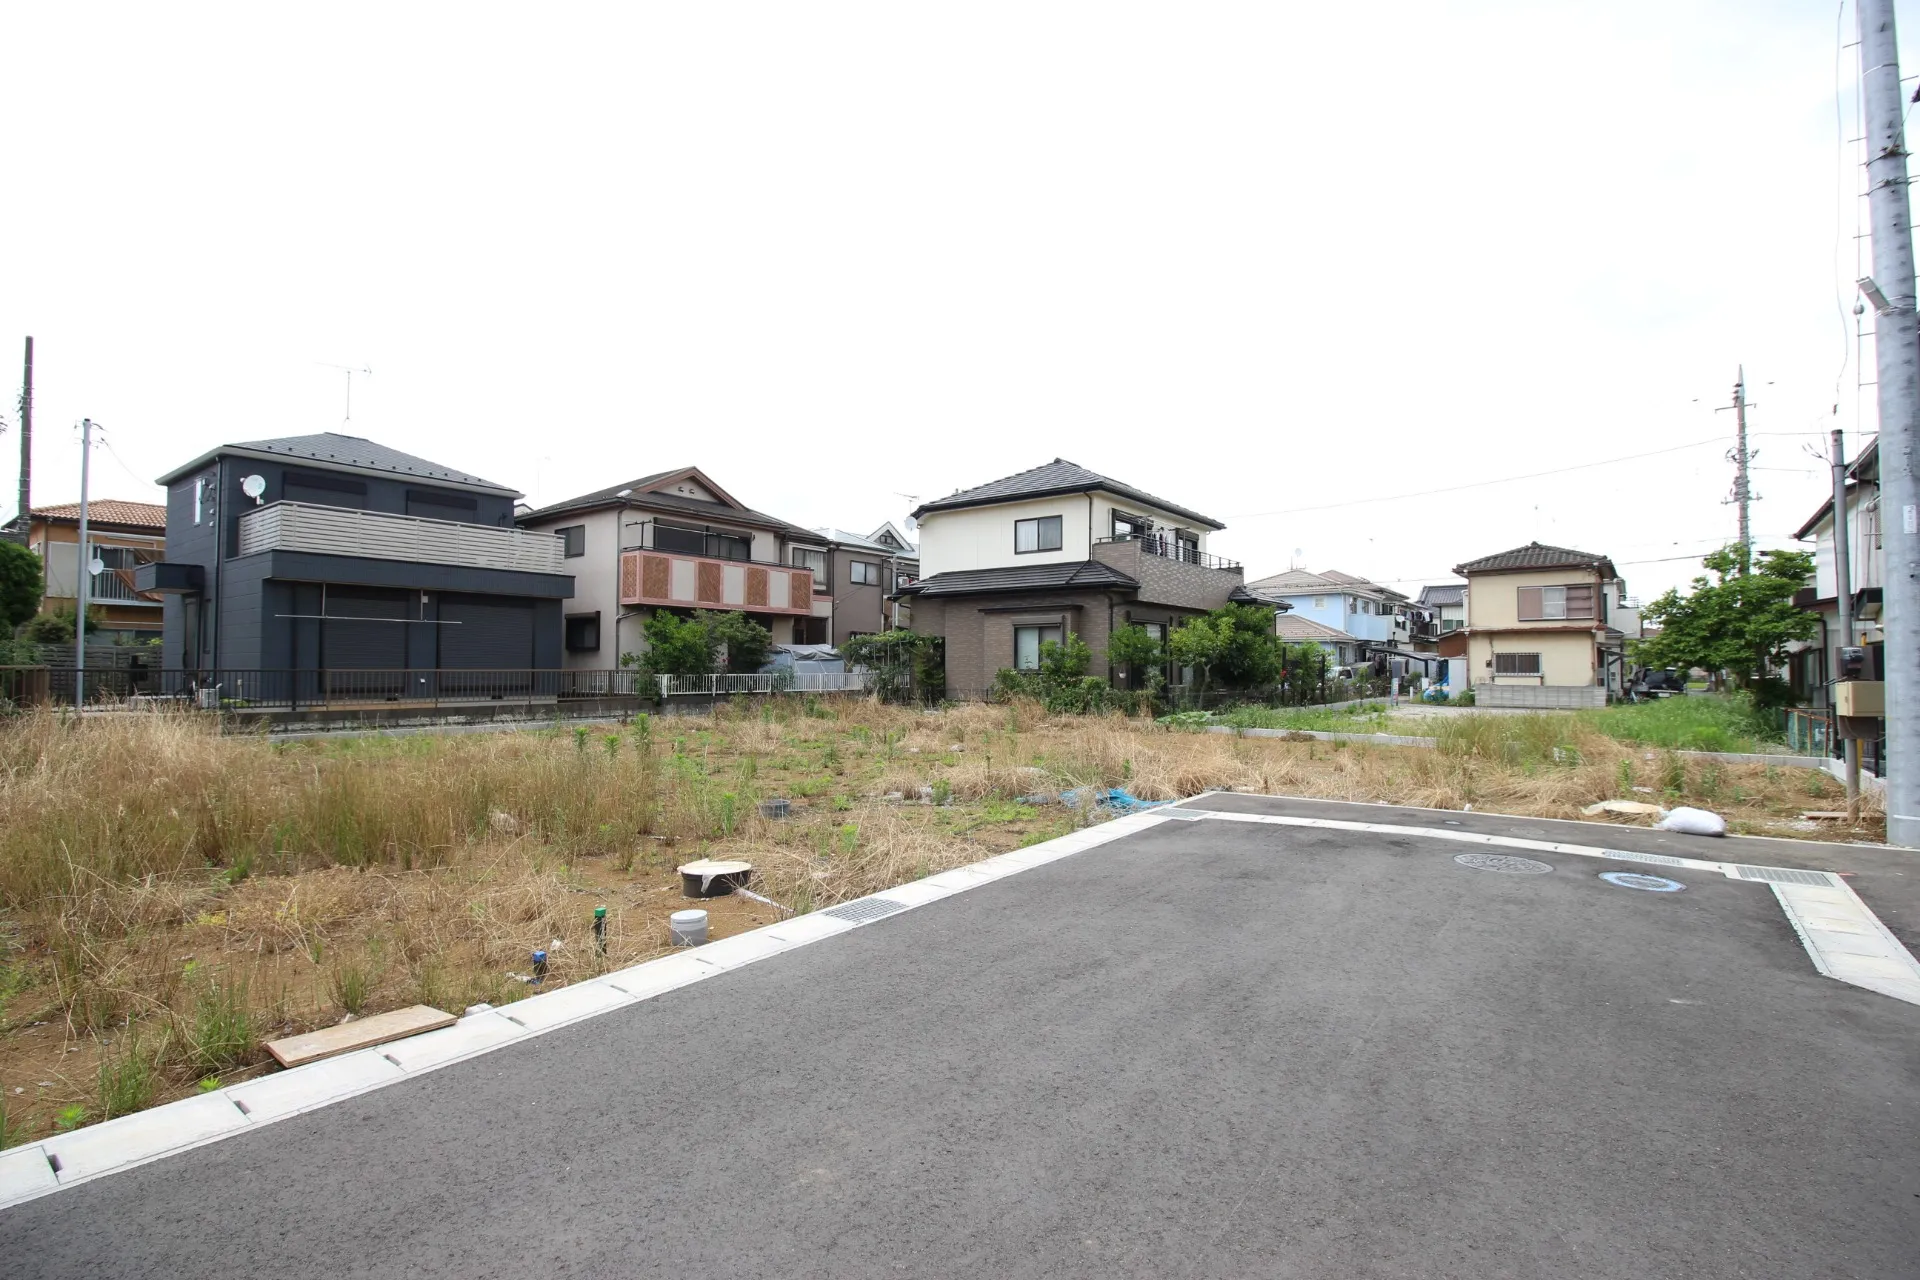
1406,740
68,1159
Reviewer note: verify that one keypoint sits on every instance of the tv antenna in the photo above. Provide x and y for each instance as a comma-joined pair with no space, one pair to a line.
349,370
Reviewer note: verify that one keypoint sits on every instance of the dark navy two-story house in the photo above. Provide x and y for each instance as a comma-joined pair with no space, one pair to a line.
328,565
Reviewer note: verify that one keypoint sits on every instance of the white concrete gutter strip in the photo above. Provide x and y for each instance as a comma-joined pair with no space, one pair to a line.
1843,937
1407,740
68,1159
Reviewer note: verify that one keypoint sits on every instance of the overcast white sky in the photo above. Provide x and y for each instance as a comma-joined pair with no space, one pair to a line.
1253,258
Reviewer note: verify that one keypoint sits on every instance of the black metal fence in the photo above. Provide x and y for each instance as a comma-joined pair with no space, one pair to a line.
231,689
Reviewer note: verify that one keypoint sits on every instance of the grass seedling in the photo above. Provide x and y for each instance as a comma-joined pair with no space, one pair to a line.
612,741
580,738
127,1079
350,986
70,1118
223,1026
1625,777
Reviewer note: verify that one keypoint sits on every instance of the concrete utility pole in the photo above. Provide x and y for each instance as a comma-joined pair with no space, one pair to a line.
1896,346
80,589
1843,600
26,444
1742,488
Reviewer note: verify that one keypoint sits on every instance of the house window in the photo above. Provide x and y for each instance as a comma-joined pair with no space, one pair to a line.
583,632
1125,526
1552,604
816,561
863,573
810,631
199,499
1042,534
1449,624
573,539
1187,548
1516,664
1319,602
1027,642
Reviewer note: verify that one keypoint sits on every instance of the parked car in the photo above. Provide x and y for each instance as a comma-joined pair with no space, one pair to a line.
1655,682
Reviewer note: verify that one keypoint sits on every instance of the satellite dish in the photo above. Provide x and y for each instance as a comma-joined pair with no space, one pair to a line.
912,524
96,566
253,487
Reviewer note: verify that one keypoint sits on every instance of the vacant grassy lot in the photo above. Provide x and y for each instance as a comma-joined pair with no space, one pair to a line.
170,898
1716,723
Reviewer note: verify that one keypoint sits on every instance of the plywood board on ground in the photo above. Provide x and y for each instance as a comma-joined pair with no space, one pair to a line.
361,1033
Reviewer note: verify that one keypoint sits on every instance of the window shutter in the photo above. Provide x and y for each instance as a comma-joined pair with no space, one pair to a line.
1580,600
1530,604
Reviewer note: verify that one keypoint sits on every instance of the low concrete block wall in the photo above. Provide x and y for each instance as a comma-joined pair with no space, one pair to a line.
1543,697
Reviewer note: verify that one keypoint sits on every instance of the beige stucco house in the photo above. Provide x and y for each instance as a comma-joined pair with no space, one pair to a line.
1539,629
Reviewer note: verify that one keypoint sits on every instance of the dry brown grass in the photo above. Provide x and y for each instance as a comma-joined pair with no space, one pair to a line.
151,868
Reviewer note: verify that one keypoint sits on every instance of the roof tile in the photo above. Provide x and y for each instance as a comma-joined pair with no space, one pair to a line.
1058,476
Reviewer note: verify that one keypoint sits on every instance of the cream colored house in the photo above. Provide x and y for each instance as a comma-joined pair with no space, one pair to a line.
1540,628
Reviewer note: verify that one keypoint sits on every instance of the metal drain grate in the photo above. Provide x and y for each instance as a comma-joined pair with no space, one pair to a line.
864,910
1502,862
1184,815
1784,875
1622,855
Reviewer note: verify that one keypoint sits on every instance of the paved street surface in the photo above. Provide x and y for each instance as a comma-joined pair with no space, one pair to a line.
1215,1049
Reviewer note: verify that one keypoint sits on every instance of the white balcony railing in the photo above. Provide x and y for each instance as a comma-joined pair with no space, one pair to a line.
767,682
343,531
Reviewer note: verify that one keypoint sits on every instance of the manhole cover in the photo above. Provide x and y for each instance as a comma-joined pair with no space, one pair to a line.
1502,862
1638,880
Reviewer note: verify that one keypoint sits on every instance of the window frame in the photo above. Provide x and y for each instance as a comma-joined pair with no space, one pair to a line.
591,619
863,573
573,541
819,572
1039,524
1041,629
1539,667
1545,594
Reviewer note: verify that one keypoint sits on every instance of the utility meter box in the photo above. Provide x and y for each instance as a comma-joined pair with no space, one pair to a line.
1853,662
1860,698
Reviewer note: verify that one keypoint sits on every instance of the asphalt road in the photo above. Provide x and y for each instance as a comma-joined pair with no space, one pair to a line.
1214,1049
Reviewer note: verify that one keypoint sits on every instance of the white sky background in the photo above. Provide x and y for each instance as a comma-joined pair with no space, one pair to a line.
1252,258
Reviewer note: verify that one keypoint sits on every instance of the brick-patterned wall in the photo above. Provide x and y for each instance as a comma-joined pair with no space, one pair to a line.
979,629
1169,582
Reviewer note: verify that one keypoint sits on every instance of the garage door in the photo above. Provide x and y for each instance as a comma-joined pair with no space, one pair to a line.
363,642
485,633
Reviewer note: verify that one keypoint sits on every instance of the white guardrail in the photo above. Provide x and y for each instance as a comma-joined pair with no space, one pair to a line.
767,682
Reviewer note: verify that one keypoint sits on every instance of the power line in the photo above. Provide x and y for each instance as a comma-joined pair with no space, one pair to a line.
1481,484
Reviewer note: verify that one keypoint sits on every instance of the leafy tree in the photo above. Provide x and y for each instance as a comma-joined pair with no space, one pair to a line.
745,642
21,583
1740,622
1133,652
904,663
676,646
1200,643
1251,655
57,627
694,645
1234,646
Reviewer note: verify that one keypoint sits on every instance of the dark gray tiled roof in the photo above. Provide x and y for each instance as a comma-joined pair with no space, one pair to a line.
1536,555
332,449
1058,476
714,512
1443,593
1074,574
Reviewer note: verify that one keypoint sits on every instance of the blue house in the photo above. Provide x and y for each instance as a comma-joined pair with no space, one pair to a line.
328,566
1351,617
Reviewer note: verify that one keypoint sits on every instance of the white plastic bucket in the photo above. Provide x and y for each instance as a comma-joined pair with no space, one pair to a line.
689,928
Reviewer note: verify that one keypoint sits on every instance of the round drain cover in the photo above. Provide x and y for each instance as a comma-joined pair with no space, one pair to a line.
1502,862
1640,880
